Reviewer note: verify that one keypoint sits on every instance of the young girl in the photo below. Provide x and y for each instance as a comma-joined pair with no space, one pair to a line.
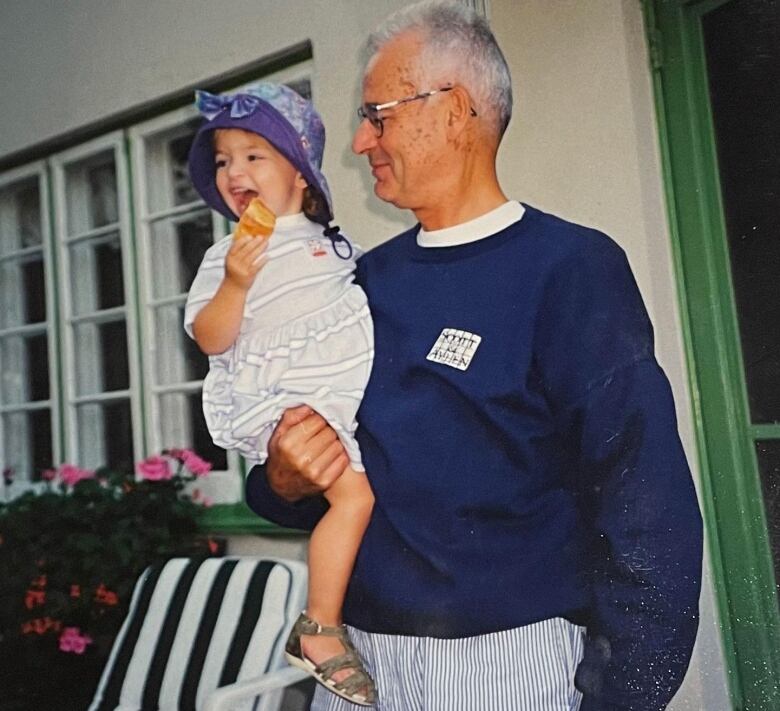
284,325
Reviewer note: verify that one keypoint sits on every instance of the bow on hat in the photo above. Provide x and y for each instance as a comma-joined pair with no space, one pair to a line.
241,105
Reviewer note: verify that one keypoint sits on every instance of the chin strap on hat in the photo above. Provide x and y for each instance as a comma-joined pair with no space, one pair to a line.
336,238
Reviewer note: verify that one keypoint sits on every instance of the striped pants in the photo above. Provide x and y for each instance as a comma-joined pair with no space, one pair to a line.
528,668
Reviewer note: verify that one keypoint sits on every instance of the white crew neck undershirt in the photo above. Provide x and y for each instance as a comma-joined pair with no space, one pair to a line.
480,227
296,219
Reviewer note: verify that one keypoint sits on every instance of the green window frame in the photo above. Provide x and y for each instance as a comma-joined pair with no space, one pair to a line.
730,485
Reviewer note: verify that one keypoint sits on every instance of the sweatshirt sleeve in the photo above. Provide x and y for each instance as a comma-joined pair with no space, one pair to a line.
636,498
303,514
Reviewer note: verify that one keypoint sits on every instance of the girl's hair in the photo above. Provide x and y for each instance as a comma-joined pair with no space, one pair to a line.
459,47
315,207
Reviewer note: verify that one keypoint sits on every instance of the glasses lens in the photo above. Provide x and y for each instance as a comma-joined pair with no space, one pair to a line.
370,114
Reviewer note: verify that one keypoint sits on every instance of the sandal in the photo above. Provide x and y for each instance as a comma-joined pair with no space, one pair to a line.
348,689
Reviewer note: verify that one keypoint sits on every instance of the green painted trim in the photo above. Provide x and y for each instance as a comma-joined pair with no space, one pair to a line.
232,519
57,326
141,386
730,486
707,496
764,431
239,518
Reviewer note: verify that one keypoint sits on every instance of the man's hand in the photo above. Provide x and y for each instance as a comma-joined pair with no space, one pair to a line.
305,456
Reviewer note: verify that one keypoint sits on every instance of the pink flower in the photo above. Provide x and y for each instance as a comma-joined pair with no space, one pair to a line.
197,465
207,502
71,640
71,475
154,468
49,474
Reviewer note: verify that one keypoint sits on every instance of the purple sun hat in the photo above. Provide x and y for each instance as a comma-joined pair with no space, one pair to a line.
277,113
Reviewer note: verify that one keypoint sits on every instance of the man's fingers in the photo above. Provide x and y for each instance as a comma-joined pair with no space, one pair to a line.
327,465
337,460
305,455
316,443
290,418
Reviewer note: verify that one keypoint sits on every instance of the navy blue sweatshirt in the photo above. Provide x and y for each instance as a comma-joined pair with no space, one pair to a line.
521,442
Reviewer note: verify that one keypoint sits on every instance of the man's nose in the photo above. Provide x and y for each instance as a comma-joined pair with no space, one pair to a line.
364,138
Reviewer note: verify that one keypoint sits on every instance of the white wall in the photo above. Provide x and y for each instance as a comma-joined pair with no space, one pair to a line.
582,143
67,64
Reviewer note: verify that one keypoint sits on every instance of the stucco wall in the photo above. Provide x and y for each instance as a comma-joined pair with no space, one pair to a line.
582,142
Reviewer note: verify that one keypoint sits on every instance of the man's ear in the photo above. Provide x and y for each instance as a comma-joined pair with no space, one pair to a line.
459,111
300,181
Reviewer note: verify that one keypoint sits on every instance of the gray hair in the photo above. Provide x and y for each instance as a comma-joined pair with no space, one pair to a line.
456,37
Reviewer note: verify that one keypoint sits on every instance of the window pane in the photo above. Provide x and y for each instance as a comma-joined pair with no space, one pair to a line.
179,359
743,63
101,361
22,291
28,200
178,245
105,435
96,274
167,178
91,192
178,150
768,452
20,211
24,369
183,425
27,443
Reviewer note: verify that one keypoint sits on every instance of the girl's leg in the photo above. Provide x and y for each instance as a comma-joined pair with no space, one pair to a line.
332,551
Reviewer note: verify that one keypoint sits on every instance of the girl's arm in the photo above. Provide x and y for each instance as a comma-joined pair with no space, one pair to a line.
217,324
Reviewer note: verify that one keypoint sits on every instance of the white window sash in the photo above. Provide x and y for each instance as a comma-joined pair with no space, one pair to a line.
37,170
113,142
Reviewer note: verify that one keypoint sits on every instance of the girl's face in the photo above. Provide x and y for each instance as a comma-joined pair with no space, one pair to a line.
248,166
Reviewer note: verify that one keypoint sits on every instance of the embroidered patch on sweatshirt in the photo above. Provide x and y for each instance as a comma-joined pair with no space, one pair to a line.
455,348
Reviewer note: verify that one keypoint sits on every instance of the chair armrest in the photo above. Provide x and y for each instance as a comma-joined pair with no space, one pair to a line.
223,698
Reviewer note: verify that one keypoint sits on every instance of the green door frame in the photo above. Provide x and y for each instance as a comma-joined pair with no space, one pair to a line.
730,485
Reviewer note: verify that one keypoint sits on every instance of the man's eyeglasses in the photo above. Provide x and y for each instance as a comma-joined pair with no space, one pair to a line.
370,112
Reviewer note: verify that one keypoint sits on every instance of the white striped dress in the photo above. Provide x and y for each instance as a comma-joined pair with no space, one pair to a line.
306,338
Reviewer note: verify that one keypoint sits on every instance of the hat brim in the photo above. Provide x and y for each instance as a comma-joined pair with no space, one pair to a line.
267,122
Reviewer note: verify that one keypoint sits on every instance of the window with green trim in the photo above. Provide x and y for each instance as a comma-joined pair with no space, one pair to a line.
717,81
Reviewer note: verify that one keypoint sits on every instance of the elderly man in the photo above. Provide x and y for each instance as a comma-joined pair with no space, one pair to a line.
536,541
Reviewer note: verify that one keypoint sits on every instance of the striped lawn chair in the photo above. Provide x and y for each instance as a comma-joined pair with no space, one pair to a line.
206,635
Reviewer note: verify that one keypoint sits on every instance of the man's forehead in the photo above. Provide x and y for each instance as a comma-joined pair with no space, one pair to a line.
395,66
